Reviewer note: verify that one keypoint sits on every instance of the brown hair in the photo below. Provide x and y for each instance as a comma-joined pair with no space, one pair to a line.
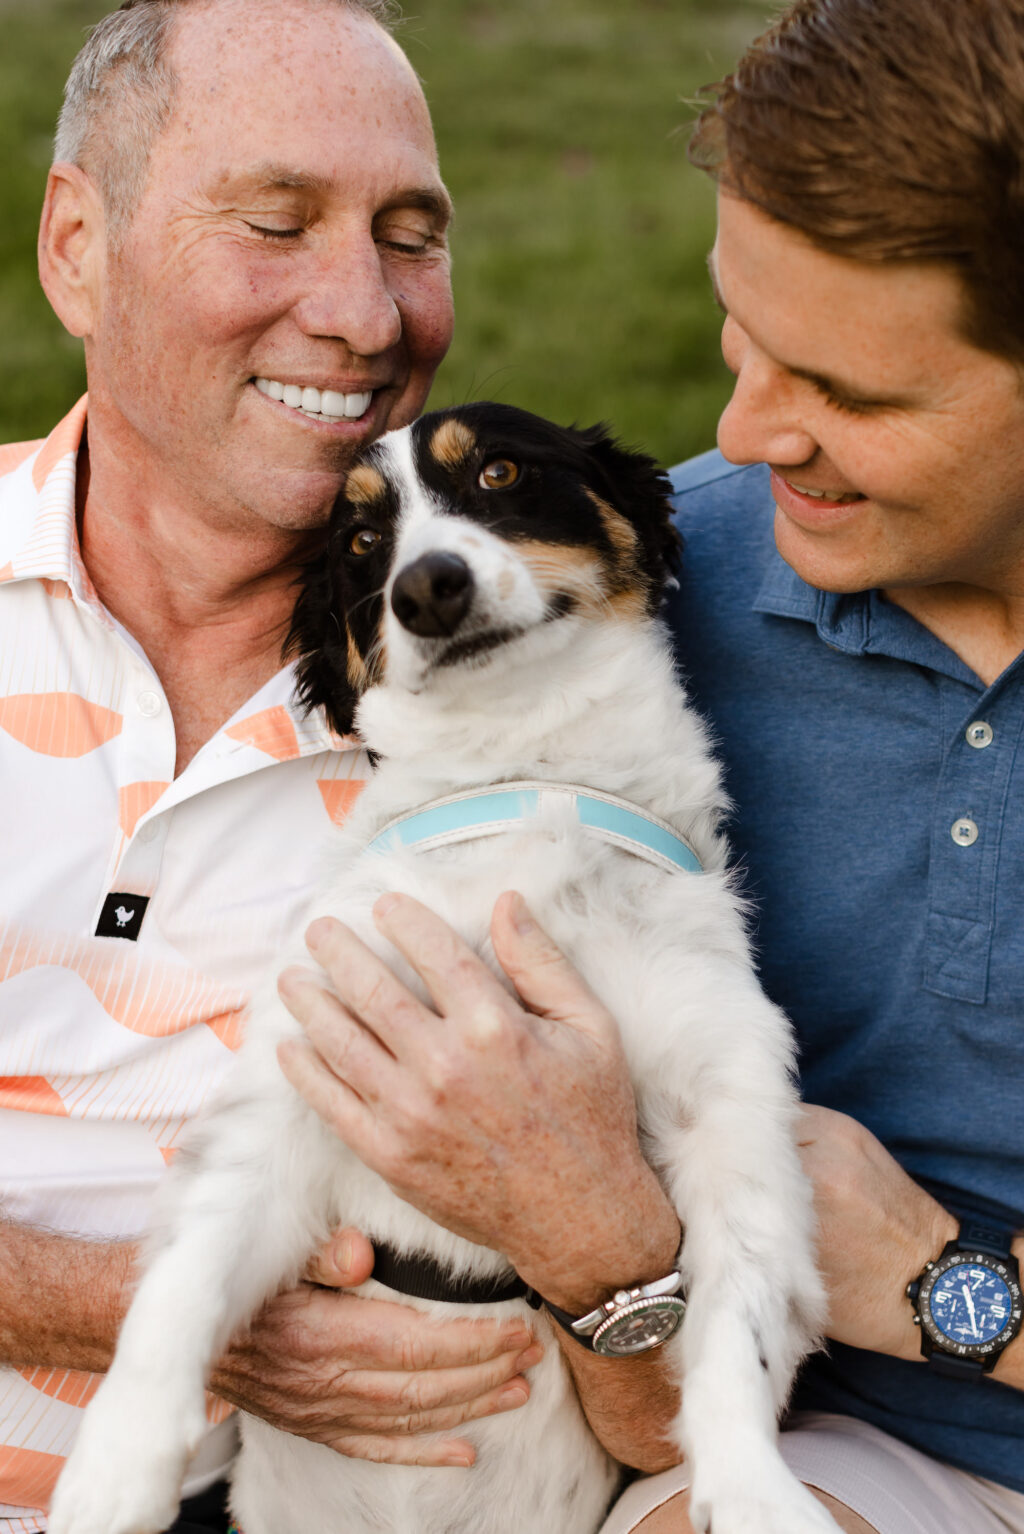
888,130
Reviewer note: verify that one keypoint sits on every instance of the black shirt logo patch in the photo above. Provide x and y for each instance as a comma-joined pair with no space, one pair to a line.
122,916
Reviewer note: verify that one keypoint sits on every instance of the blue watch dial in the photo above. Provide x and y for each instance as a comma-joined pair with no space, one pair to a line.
970,1303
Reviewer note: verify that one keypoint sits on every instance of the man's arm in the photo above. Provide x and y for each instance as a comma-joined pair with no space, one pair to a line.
357,1374
877,1228
509,1122
61,1300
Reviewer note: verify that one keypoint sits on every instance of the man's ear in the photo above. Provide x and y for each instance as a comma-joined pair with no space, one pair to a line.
73,248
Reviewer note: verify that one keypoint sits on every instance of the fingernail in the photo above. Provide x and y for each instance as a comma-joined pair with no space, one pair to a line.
316,935
344,1251
521,917
385,905
515,1395
518,1339
460,1459
533,1355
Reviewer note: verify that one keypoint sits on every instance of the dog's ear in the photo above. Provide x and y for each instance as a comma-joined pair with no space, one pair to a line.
319,642
640,489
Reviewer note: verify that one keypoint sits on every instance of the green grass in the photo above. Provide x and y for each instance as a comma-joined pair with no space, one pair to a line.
581,232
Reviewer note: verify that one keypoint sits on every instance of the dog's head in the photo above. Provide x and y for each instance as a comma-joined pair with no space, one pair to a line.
469,537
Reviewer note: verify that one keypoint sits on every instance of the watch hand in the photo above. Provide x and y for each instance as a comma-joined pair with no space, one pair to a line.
970,1307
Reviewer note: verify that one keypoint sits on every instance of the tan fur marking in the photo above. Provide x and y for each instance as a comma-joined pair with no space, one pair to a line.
582,574
452,443
358,674
506,584
622,537
365,485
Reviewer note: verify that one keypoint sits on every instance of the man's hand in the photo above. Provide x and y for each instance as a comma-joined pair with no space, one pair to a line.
370,1379
877,1229
513,1125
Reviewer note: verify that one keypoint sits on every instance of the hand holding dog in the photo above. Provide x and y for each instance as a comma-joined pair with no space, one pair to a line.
371,1379
513,1125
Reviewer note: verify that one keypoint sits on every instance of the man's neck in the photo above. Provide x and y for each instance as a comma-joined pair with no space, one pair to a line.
984,628
210,606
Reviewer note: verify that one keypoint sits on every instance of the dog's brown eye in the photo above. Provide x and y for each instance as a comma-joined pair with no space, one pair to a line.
364,540
499,474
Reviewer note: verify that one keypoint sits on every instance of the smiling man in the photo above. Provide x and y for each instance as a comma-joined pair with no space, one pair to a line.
851,617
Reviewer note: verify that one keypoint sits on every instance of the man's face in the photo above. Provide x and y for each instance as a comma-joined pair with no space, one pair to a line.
292,232
853,379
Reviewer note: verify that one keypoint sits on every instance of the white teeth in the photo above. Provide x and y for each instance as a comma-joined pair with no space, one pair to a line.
322,405
823,495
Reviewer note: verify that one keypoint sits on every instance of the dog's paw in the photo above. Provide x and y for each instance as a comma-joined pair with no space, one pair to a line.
781,1507
124,1475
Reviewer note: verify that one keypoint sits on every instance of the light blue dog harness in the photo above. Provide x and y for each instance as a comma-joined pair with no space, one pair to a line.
477,812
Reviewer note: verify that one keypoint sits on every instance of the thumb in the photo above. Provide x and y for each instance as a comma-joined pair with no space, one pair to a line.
345,1261
540,972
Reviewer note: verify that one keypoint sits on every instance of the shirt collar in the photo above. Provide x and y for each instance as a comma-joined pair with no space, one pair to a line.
43,512
856,623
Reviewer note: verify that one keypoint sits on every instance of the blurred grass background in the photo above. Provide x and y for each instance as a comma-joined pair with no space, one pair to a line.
581,234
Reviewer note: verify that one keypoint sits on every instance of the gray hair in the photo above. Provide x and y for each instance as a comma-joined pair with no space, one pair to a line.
120,93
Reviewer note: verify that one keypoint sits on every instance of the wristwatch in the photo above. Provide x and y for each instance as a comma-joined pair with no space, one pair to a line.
632,1321
968,1302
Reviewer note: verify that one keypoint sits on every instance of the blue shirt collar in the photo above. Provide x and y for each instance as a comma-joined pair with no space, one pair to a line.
856,623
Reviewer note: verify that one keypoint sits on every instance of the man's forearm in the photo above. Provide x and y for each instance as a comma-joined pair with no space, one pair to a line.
62,1300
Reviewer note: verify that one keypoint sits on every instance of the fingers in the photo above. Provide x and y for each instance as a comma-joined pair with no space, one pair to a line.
367,986
354,1053
539,970
459,983
345,1261
380,1335
456,1453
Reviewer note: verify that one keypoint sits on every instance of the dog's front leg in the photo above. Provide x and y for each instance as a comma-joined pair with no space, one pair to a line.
755,1301
236,1228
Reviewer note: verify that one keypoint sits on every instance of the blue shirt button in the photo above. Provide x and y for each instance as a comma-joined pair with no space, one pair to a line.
979,734
964,832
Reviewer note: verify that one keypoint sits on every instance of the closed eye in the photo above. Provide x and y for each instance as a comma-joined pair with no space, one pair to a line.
274,234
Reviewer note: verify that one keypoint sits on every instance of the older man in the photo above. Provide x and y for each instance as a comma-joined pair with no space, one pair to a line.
246,226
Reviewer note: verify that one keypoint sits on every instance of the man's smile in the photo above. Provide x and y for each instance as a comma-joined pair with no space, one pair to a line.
329,405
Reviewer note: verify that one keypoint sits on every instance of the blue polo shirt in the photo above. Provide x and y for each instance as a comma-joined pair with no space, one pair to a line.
879,824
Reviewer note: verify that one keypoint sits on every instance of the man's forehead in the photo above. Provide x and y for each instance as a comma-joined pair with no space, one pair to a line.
309,47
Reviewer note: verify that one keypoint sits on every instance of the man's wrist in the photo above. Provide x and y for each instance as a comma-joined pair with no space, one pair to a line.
619,1252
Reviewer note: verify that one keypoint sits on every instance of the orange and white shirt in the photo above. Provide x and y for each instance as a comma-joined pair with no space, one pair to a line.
110,1043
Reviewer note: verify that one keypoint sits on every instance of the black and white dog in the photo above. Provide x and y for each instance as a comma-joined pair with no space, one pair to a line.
487,615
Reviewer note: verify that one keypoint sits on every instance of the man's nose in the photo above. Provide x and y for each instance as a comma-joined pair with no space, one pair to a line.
348,298
763,421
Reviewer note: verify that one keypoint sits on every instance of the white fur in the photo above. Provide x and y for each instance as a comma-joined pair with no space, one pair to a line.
594,702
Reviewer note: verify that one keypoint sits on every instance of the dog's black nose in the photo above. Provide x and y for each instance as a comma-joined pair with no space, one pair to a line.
431,596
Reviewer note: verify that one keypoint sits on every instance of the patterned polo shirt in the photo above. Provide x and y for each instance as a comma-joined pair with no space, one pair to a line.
137,912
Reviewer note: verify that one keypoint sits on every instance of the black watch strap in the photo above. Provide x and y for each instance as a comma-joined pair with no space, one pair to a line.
993,1240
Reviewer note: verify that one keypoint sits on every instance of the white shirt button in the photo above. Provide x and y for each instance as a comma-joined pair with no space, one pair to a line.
979,734
149,704
149,832
964,832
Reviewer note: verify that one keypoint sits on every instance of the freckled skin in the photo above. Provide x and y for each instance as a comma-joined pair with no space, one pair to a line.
197,302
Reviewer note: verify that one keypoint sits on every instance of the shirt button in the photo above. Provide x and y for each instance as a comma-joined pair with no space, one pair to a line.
149,704
148,832
979,735
964,832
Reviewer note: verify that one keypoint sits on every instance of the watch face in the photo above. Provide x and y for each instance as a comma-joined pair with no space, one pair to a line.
647,1323
971,1304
